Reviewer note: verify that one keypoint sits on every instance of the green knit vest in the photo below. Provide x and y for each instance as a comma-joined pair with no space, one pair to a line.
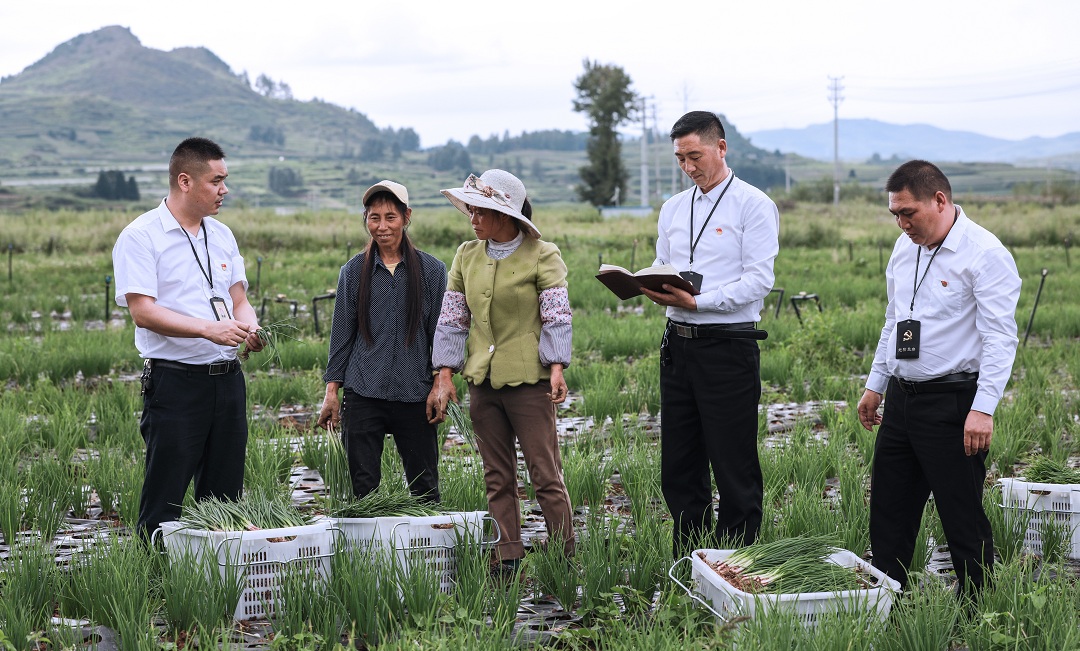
503,298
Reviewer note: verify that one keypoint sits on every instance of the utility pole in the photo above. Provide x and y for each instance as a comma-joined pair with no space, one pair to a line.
656,159
644,152
835,98
676,176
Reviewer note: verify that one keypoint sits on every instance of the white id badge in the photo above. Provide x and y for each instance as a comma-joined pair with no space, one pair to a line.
221,311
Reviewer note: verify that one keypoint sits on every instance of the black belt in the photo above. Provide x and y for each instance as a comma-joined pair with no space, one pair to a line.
717,330
943,384
217,368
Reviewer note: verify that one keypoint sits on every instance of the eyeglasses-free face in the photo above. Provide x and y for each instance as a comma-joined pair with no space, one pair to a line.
492,225
386,225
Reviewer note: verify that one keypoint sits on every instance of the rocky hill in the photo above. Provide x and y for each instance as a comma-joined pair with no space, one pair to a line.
103,96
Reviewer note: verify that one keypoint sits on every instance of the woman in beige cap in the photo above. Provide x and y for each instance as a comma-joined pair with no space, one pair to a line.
387,305
506,301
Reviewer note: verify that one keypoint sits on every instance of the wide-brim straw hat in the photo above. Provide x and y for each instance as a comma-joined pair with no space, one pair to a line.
497,190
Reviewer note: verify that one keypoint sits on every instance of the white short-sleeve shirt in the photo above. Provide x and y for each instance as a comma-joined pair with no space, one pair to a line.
153,256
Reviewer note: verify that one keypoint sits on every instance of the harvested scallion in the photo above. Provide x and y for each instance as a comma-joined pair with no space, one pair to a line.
789,565
257,509
459,418
386,501
271,336
1044,470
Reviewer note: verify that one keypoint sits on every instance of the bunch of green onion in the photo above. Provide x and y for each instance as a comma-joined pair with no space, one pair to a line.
271,336
459,418
257,509
790,565
388,500
1044,470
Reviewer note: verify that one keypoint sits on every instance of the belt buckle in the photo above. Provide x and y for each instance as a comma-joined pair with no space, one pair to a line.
684,331
907,385
219,368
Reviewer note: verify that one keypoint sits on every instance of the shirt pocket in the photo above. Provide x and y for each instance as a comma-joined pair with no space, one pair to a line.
943,299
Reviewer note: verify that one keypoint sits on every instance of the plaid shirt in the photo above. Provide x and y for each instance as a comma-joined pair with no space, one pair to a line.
387,369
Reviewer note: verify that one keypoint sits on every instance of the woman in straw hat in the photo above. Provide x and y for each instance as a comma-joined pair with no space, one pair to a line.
506,302
388,300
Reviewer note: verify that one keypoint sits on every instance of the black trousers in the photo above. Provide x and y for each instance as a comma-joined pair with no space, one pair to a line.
920,450
195,427
709,393
364,425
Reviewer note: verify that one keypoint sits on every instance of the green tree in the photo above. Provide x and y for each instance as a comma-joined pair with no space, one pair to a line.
112,185
604,95
285,181
451,156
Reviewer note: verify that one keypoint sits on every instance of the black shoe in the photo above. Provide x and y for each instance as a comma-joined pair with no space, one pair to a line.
507,569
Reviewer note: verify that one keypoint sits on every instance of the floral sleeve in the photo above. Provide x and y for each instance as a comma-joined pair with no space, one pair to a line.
448,348
555,326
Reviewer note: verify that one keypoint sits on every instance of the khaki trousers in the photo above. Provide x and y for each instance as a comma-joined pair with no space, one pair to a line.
526,413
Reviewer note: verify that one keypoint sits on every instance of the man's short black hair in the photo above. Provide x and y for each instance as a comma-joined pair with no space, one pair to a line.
705,124
921,178
192,156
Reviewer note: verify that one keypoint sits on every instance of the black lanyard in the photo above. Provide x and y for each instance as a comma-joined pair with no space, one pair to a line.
693,196
916,281
206,240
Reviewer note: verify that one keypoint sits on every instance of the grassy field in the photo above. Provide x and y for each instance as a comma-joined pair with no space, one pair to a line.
68,406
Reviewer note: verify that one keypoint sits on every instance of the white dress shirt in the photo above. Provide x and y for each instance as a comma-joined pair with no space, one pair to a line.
966,308
153,257
734,255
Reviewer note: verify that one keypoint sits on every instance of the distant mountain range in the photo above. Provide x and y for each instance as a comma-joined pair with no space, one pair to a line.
104,96
861,139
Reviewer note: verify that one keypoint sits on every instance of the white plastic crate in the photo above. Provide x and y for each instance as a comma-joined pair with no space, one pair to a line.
261,557
1043,505
431,540
728,601
367,533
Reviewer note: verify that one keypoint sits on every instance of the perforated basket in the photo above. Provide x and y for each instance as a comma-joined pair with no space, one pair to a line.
367,533
726,601
434,541
261,557
1043,506
431,540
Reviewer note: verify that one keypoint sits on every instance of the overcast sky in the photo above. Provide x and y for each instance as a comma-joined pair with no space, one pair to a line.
453,69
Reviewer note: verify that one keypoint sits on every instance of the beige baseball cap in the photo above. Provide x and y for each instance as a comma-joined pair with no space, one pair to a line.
396,189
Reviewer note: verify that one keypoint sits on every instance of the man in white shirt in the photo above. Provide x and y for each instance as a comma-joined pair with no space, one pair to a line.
180,274
723,236
945,354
